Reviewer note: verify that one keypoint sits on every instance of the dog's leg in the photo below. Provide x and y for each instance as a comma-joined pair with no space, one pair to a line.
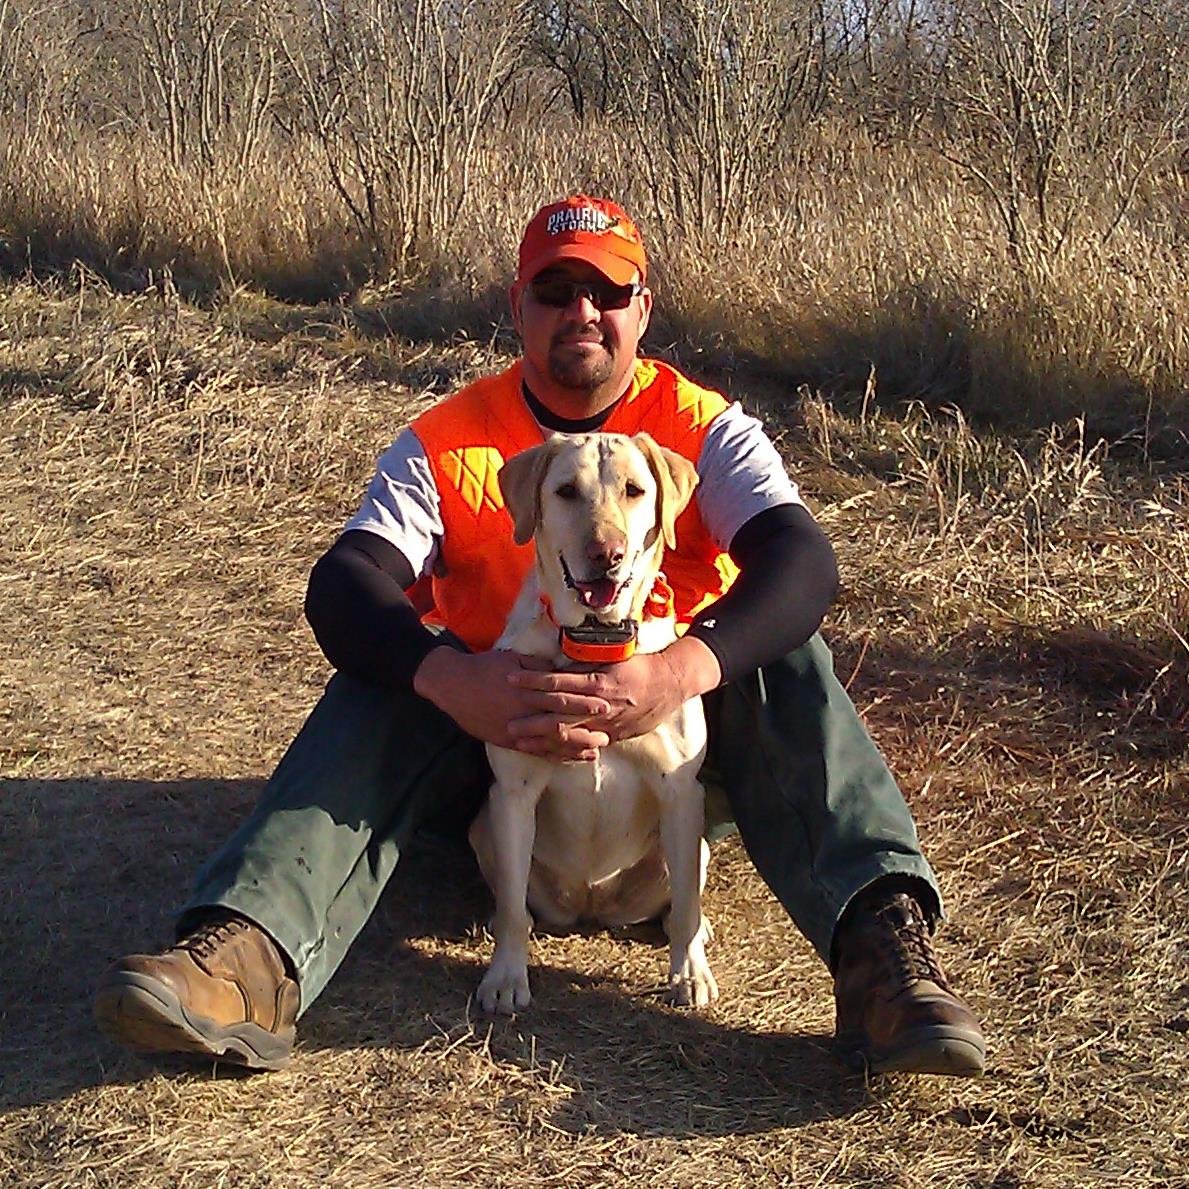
703,868
690,981
512,809
707,929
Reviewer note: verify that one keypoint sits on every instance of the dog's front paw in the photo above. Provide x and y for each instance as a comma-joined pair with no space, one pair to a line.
692,984
504,988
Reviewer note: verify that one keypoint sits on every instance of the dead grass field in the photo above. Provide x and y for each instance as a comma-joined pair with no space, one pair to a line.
1012,626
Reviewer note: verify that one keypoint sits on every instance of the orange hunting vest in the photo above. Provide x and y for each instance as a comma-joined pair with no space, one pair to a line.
467,437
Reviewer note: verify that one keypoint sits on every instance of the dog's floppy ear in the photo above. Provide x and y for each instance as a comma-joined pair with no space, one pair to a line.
520,481
676,477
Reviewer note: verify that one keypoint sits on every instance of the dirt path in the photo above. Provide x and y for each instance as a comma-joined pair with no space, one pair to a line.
157,461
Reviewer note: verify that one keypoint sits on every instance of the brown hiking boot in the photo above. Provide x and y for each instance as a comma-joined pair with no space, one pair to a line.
895,1010
221,992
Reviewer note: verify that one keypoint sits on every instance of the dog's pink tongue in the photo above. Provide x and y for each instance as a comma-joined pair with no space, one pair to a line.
597,594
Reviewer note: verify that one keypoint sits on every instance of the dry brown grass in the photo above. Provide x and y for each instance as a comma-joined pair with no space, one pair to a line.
1012,627
860,253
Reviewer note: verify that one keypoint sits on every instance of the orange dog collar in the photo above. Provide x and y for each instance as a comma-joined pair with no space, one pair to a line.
598,643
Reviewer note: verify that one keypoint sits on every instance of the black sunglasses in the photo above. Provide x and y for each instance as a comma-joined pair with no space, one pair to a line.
559,292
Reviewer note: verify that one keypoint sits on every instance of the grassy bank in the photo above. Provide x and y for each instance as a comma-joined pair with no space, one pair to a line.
861,261
1011,626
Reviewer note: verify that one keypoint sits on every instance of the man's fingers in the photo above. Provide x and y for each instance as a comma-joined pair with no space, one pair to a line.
539,663
552,729
547,681
556,751
572,705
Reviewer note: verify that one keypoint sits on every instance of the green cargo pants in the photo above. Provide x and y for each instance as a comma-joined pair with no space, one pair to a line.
817,808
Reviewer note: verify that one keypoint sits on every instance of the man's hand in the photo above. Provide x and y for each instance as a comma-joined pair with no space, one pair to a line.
639,693
483,693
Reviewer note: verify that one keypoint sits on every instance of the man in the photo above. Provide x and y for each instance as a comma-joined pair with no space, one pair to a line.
396,743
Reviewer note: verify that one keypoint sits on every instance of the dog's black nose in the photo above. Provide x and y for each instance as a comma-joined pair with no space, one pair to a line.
606,553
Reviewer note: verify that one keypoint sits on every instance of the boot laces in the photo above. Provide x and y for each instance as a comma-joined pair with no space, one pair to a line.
905,946
209,936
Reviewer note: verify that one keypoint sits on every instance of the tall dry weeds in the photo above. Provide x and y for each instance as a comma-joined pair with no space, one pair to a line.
865,239
1011,627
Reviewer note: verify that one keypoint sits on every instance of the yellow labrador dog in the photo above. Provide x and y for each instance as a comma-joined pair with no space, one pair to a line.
617,840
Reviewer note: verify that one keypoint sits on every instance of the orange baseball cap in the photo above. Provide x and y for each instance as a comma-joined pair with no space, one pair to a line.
583,228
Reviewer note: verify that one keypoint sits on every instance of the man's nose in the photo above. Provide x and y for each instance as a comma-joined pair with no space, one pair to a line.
606,552
583,307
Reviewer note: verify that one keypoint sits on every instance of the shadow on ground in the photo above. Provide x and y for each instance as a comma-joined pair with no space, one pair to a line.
1118,695
95,867
924,343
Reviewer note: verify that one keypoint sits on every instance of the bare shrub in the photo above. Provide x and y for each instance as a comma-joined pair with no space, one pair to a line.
204,76
719,91
566,41
1059,111
776,157
398,97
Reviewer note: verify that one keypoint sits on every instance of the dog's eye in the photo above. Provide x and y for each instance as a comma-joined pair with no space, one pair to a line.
567,491
633,490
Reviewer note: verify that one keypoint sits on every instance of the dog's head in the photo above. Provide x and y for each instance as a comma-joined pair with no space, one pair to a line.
602,508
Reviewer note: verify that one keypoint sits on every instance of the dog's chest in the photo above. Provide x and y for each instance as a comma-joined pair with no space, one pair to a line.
594,819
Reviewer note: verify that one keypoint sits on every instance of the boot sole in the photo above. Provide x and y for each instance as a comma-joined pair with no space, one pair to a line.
144,1014
940,1050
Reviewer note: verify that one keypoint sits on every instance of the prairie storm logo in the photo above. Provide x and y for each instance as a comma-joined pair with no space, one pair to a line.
583,218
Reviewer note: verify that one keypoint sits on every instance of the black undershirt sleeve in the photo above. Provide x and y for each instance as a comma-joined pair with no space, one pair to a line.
368,628
788,577
359,612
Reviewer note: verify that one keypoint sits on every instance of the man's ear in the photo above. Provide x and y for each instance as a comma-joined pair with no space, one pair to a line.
676,477
520,480
645,313
515,293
